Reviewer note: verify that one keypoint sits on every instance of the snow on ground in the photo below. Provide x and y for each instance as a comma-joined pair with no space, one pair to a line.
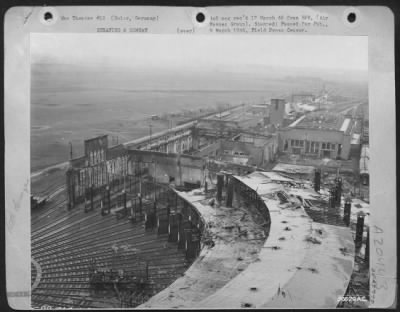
260,183
302,264
291,169
307,193
323,274
273,176
358,206
279,257
216,265
195,197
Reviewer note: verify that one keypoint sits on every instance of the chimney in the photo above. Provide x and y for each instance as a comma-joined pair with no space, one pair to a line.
277,111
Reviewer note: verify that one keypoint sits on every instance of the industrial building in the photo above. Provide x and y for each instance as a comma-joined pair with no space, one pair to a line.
321,135
191,217
303,97
250,149
245,148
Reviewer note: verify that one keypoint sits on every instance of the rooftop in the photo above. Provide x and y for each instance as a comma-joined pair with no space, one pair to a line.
324,121
300,264
293,169
160,134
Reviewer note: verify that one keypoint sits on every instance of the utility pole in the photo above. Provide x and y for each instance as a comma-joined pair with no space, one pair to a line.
70,150
140,176
154,181
220,124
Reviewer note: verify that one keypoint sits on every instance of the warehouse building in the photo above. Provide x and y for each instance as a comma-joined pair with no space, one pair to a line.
322,135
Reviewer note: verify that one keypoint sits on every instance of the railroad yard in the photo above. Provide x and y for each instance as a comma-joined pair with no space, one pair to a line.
186,213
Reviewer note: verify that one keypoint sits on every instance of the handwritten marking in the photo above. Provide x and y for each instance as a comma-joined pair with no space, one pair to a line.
378,268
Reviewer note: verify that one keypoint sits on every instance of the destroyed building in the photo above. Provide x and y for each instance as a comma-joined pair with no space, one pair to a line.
189,218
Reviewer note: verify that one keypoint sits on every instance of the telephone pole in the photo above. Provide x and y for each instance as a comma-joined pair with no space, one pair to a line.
70,150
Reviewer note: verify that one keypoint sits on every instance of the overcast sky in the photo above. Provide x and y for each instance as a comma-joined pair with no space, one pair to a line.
201,51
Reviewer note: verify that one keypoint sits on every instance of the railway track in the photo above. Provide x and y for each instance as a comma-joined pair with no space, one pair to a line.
53,207
64,242
69,220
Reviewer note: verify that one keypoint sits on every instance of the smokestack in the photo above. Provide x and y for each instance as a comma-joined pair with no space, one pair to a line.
70,151
277,111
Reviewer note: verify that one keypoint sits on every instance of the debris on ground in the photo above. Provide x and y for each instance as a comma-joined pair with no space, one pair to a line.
246,305
209,242
273,247
313,270
243,233
313,240
344,250
319,231
358,286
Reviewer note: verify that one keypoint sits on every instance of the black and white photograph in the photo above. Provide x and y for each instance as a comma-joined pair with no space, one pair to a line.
226,171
